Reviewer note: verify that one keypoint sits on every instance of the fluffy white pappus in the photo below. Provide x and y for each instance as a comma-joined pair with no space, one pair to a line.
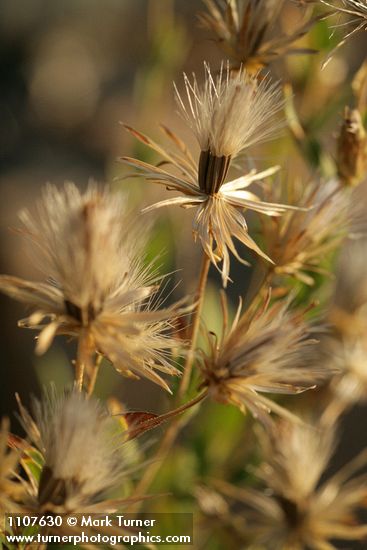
82,242
83,456
230,112
290,450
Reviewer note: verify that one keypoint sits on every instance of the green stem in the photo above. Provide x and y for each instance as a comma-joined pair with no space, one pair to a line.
199,299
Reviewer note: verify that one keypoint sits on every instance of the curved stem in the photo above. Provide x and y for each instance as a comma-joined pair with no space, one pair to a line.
199,299
79,375
164,447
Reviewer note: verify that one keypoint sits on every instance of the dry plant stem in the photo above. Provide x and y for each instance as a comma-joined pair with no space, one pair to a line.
79,375
153,468
80,364
93,378
174,428
163,449
199,299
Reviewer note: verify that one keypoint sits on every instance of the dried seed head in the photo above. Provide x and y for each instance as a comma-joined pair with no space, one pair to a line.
294,510
266,350
227,115
299,241
98,289
82,453
249,31
289,451
80,242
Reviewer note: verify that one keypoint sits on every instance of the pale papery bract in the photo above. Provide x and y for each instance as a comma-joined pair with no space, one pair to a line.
227,115
98,289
